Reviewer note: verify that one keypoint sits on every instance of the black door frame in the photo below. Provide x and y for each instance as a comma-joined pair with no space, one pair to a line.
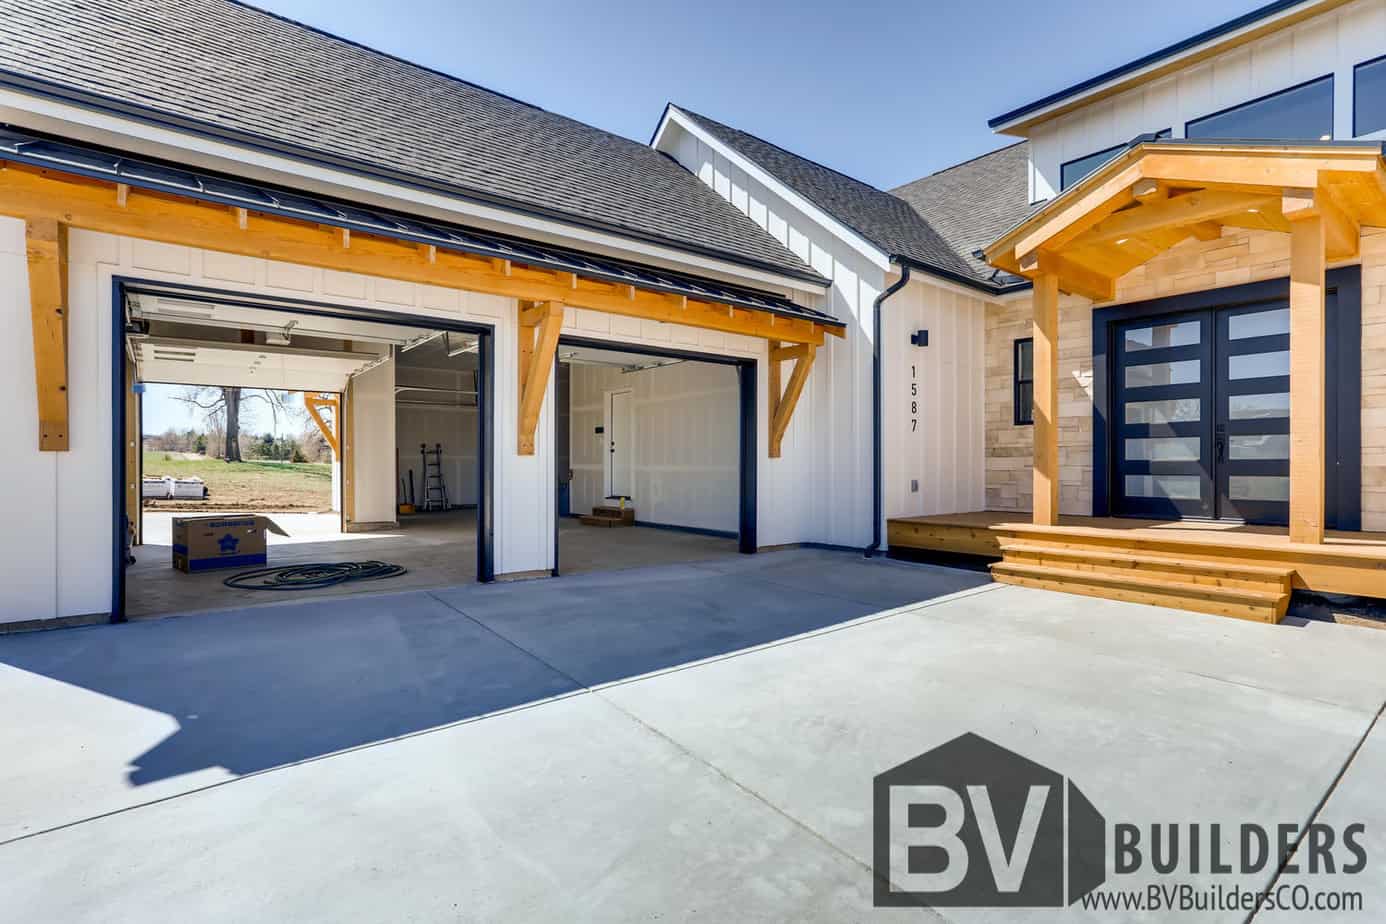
746,381
123,286
1343,388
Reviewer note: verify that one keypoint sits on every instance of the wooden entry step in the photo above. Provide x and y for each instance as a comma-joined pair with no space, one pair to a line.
1256,592
609,516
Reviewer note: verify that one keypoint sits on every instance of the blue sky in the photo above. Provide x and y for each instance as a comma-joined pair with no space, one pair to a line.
884,90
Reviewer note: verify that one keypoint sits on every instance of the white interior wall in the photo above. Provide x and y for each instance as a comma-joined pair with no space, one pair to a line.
1331,43
933,401
456,429
686,442
372,442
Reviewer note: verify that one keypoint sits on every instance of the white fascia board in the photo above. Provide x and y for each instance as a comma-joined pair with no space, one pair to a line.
138,137
1140,75
879,258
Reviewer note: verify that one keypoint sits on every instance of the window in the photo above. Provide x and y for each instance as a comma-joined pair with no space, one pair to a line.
1369,97
1302,113
1075,170
1024,381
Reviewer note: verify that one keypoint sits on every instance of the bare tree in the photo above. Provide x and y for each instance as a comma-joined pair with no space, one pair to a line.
221,409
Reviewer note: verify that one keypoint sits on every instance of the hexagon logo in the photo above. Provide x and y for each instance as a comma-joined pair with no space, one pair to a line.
972,824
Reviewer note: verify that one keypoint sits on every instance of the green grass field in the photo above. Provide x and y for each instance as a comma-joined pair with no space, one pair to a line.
260,486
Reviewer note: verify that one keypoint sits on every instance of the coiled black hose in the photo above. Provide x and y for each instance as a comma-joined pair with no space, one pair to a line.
313,576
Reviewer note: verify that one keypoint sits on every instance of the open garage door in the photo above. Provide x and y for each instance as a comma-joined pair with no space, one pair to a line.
655,458
310,434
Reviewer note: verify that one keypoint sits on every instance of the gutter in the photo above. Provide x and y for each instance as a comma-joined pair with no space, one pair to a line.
877,475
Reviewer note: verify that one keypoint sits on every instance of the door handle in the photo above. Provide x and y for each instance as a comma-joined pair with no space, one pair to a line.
1220,443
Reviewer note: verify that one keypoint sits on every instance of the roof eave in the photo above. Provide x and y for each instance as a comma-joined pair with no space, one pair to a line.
1245,28
253,141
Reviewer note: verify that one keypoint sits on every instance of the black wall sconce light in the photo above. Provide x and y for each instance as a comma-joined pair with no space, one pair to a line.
920,338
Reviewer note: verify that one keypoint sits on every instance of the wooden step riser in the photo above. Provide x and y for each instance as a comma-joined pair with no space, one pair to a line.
1253,612
1153,568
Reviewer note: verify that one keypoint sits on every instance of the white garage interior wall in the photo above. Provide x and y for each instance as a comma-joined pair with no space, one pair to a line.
435,417
686,442
371,443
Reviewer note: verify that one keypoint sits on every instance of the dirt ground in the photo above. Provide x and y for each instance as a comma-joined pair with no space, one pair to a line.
263,486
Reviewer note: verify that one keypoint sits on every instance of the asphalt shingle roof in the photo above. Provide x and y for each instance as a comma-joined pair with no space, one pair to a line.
973,203
254,77
887,221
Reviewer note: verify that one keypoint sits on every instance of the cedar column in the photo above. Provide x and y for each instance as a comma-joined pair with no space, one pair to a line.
1045,504
1307,388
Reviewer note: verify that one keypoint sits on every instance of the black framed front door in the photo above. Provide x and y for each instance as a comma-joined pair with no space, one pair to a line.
1202,414
1251,440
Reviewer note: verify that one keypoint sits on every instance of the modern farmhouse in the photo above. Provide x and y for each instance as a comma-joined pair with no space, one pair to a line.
1138,353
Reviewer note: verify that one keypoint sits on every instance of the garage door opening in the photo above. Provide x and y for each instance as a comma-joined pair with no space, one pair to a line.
655,456
356,437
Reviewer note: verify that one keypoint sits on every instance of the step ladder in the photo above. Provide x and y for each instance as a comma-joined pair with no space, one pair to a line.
435,488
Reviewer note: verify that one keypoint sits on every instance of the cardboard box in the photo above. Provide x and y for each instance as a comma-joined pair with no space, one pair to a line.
222,541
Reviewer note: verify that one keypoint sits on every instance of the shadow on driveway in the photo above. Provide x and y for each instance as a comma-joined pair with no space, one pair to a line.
264,686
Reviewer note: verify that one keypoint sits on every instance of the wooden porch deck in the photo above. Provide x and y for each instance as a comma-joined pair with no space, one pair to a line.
1214,567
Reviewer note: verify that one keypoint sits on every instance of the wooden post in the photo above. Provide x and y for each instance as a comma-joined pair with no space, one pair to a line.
1307,339
1045,504
46,245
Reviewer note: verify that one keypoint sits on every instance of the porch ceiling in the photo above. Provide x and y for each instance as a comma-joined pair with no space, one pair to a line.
1159,193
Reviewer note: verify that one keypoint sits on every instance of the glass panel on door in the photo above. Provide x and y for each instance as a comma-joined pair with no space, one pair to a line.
1163,431
1252,437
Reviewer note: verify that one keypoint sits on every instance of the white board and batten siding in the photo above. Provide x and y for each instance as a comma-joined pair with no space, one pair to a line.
824,479
933,401
1331,43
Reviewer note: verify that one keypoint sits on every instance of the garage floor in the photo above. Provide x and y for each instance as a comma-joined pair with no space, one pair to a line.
668,742
439,550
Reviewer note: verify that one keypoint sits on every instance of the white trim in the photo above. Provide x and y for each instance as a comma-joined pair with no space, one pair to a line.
878,257
94,127
1139,76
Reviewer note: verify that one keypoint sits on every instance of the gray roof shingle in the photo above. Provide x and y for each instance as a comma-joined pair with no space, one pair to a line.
973,203
887,221
254,77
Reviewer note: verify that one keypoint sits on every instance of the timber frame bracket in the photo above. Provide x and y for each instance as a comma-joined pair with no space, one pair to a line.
315,403
783,400
539,327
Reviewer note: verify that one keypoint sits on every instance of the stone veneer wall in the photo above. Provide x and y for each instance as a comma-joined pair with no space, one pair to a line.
1239,256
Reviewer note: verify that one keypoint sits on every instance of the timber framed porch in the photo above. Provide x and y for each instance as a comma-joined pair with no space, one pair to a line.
1215,566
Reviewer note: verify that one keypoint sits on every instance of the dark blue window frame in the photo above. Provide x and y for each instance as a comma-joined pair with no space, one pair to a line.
1069,172
1376,69
1194,128
1024,405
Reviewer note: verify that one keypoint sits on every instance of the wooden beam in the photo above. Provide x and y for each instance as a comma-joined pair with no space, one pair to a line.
779,354
538,363
314,404
1206,230
46,247
784,406
1074,277
28,193
1045,356
1176,212
1307,376
1052,230
122,194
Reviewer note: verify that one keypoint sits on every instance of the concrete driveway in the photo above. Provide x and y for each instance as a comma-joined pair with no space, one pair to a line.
682,742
